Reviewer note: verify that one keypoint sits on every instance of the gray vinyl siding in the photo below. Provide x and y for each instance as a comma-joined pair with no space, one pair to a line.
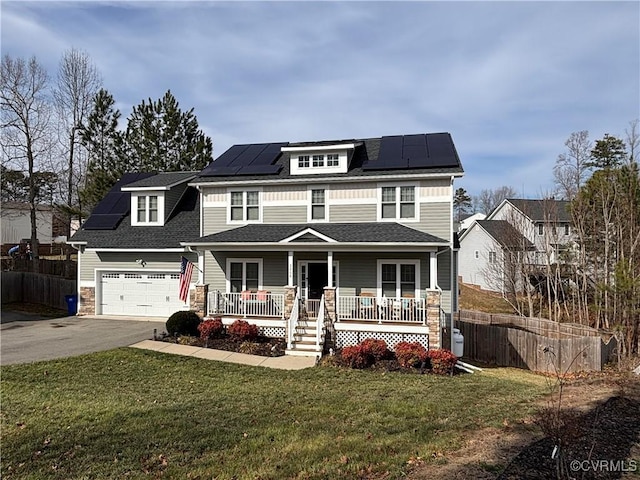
288,214
126,261
352,213
435,218
444,270
274,269
215,220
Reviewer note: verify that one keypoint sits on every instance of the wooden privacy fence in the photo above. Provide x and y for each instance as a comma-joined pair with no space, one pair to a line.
36,288
62,268
533,343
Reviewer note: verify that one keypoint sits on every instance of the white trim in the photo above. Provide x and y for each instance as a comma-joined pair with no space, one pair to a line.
134,209
87,283
201,264
312,232
244,262
376,327
304,291
244,192
310,189
290,268
128,188
410,177
397,186
321,148
138,250
320,246
397,262
433,270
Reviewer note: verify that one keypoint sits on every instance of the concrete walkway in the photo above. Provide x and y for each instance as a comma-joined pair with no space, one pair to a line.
285,362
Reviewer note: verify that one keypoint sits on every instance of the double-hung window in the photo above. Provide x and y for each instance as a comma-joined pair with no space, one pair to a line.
398,278
147,209
245,206
243,275
318,209
398,202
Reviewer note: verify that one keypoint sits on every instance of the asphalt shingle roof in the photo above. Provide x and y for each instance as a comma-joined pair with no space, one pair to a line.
163,179
505,234
543,210
341,232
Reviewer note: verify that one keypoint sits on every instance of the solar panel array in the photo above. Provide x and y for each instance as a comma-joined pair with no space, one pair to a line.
432,150
256,159
114,206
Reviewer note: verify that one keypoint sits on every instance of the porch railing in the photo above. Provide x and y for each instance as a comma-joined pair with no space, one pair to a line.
312,306
293,321
320,323
246,304
382,309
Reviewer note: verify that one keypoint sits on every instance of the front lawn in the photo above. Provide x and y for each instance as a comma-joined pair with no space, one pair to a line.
131,413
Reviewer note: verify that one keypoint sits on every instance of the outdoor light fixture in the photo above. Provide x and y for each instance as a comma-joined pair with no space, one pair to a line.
140,261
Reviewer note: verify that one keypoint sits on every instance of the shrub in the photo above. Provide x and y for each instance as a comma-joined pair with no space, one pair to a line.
442,361
211,328
376,348
356,357
410,354
241,331
183,323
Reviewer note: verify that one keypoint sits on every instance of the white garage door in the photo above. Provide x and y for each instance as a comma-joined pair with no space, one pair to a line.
140,294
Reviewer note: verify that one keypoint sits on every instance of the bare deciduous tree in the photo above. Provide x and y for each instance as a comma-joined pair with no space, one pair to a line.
489,199
571,170
25,113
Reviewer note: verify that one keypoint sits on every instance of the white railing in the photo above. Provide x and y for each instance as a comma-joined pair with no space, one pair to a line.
246,304
293,321
382,309
320,323
312,306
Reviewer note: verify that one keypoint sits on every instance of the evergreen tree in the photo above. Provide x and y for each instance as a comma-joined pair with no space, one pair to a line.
161,137
104,144
461,202
610,152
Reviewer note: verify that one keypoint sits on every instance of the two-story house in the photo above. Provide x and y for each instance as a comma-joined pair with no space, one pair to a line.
347,239
537,232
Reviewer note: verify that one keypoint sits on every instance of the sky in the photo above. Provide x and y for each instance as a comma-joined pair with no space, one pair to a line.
509,80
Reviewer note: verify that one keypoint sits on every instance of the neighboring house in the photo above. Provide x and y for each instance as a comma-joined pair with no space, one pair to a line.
348,238
467,220
536,231
15,223
486,252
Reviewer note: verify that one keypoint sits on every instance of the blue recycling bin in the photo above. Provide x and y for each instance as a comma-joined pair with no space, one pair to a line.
72,304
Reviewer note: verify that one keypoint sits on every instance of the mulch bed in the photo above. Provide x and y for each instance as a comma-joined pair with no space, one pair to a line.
262,346
598,446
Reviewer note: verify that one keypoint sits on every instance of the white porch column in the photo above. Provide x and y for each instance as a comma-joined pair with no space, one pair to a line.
433,270
330,269
290,268
200,267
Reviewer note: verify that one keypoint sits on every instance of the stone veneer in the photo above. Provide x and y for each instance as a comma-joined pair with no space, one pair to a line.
198,300
289,298
87,301
433,317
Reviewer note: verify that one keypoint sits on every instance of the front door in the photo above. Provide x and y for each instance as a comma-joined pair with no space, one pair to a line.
312,277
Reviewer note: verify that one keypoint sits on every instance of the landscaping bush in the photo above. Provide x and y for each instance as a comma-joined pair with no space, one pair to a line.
356,357
241,331
442,361
410,354
376,348
183,323
211,328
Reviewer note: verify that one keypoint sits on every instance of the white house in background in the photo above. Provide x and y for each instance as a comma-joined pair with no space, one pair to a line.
348,238
15,220
467,221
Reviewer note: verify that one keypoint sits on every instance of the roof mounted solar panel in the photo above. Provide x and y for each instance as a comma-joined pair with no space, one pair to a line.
389,156
414,149
102,222
442,150
260,170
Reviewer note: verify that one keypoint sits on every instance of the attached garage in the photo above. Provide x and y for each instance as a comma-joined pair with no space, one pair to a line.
152,294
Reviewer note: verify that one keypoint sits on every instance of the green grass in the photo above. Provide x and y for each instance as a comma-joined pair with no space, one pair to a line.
137,414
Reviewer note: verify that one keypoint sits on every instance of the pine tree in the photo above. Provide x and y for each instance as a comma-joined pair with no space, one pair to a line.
104,143
461,202
160,137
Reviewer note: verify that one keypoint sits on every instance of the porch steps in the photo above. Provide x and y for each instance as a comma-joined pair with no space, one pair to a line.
304,341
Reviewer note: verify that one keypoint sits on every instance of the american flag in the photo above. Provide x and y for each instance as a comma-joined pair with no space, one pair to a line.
186,270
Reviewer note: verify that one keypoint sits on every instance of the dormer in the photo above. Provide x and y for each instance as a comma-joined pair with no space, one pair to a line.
154,199
319,159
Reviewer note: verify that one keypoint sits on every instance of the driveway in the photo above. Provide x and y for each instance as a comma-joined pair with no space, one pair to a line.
29,338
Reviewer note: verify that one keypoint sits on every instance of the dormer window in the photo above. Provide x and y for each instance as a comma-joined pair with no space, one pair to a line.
319,159
303,161
333,160
147,209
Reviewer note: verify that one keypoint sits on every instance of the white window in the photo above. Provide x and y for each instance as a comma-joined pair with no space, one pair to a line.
318,161
318,208
492,257
147,211
333,160
303,161
398,202
398,278
244,274
244,206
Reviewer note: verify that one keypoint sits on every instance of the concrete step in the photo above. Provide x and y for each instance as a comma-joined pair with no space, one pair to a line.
302,353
